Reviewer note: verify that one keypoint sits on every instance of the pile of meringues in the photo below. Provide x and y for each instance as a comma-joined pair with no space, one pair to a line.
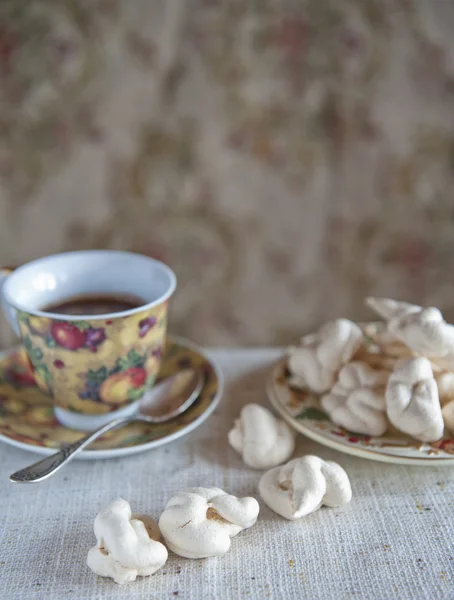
372,375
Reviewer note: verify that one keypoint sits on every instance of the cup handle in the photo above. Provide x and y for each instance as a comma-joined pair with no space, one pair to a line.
9,311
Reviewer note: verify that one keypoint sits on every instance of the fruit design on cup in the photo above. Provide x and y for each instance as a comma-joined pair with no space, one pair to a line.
77,334
117,359
37,325
71,335
38,368
145,325
128,380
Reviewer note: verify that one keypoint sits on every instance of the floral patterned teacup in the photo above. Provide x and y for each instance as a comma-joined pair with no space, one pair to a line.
96,367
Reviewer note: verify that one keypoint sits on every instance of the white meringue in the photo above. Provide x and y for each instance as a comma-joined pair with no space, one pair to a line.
199,522
423,330
387,343
375,360
389,309
445,383
448,415
357,400
427,334
261,439
301,486
315,364
124,548
412,401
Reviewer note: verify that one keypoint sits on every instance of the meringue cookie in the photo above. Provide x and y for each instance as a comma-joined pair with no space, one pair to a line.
261,439
389,309
315,364
376,360
357,400
423,330
124,547
448,415
387,343
301,487
412,401
199,522
427,334
445,384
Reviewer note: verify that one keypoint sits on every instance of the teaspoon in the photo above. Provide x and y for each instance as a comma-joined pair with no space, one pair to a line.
166,400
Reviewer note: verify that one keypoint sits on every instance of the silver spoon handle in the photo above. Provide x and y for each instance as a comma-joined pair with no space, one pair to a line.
51,464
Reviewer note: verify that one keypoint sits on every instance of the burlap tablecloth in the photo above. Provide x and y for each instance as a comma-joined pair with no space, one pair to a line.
394,540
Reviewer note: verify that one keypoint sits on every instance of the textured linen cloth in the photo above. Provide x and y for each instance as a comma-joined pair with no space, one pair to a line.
394,540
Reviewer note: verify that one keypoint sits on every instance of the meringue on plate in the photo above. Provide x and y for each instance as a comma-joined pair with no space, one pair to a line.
412,401
357,400
314,365
423,330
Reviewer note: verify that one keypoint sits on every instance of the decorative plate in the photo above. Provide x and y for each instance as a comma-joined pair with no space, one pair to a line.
27,418
302,411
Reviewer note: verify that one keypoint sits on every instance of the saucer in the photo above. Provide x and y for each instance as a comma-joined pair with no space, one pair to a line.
27,417
303,412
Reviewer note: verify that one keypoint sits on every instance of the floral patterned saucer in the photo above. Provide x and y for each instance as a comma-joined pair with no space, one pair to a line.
302,411
27,418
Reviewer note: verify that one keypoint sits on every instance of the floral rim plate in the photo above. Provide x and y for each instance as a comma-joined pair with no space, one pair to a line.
302,411
27,418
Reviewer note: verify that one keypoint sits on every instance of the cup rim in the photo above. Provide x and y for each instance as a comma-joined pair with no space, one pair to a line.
113,315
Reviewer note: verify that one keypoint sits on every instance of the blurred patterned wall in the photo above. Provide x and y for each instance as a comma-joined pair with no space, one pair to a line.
285,158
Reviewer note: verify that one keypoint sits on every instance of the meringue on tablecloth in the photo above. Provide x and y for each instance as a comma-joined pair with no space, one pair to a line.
412,401
263,440
124,548
303,485
315,364
199,522
357,400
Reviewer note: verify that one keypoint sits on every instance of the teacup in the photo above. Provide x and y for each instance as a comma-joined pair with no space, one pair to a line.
96,367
